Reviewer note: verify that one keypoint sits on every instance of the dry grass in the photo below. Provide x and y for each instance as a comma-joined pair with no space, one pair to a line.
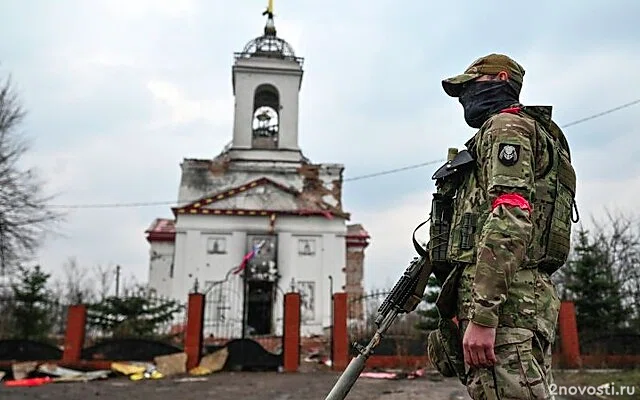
594,378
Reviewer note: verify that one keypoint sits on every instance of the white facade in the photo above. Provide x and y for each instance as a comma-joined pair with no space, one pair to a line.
306,272
259,188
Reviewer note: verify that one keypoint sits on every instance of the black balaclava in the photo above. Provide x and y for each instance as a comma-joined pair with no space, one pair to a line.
482,99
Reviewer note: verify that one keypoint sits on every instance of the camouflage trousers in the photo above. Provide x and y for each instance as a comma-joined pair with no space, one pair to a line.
523,370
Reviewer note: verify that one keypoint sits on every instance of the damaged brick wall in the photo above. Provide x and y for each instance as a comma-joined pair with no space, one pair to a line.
219,166
314,188
354,272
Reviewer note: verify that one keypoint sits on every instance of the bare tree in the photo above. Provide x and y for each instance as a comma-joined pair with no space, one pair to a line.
104,277
620,238
612,246
130,285
24,215
78,286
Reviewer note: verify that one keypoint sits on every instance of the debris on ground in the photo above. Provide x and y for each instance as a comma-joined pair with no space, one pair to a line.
393,374
62,374
137,371
318,356
21,370
28,374
211,363
23,375
172,364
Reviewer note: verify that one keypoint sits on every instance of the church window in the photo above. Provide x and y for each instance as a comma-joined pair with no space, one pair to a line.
266,117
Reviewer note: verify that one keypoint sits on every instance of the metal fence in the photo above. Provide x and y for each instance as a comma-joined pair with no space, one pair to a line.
618,343
235,309
148,314
402,338
15,318
224,309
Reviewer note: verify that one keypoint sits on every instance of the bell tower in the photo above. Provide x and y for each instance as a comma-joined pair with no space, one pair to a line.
266,78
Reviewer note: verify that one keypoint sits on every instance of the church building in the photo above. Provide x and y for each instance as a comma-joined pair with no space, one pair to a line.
260,219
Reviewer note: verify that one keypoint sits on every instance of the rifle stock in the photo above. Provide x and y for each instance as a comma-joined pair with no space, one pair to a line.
403,298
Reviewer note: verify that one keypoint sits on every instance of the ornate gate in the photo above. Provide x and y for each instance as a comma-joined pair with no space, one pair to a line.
244,311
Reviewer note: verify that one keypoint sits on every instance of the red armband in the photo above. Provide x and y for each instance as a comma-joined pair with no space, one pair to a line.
511,110
511,199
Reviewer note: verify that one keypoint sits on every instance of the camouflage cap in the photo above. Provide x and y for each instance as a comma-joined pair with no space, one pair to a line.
491,64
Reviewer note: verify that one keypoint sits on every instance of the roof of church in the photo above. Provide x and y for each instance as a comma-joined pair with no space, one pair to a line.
201,178
262,196
269,45
161,230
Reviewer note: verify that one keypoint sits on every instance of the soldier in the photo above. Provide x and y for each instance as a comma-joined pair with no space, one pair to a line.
500,226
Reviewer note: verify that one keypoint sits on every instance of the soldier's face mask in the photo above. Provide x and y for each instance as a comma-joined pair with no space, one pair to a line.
481,99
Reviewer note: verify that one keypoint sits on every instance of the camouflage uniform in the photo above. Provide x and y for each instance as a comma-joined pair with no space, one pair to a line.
508,230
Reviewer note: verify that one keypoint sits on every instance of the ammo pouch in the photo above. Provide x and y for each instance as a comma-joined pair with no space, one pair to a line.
444,348
441,215
448,178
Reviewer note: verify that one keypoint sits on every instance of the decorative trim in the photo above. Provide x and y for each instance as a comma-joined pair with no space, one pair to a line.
197,207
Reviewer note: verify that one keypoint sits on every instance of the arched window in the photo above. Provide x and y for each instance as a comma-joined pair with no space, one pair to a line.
266,117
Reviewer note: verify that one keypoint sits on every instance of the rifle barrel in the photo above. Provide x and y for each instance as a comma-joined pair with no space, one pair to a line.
347,379
351,374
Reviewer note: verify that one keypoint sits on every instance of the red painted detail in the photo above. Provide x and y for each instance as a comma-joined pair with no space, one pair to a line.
257,213
511,110
291,339
340,334
357,236
397,362
511,199
161,230
193,337
569,339
307,211
75,333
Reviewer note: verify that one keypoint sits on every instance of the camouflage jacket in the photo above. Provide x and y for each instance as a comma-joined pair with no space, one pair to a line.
498,285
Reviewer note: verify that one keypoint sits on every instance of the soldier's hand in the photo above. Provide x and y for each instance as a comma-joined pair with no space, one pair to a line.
478,343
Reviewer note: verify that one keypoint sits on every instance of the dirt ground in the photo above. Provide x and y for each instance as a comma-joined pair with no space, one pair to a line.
281,386
243,386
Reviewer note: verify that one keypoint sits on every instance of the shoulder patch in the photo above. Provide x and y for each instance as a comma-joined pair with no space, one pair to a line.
508,153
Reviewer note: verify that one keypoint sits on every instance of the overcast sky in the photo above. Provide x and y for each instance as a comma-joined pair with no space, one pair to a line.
119,92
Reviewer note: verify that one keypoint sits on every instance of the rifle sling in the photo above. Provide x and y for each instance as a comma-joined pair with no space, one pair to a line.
423,278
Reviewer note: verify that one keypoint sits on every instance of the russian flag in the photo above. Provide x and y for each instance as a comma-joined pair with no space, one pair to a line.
248,256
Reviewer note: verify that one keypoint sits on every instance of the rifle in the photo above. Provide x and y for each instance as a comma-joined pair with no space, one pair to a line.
403,299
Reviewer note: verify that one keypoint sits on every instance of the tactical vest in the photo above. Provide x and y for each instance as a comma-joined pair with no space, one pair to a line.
453,237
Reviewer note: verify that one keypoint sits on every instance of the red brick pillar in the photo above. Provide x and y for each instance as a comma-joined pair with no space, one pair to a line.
75,333
193,338
569,340
340,354
291,332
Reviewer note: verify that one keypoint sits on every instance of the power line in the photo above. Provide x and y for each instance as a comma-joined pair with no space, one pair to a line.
600,114
355,178
170,202
391,171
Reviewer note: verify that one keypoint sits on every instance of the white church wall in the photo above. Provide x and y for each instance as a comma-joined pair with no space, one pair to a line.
160,267
308,273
